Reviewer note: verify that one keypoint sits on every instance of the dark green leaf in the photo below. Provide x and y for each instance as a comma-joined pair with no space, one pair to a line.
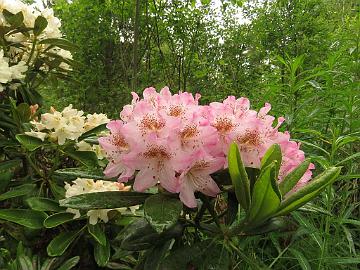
93,131
9,164
61,242
309,191
44,204
57,219
70,263
239,177
155,256
266,196
40,25
73,173
18,191
58,42
293,177
15,20
30,143
105,200
87,158
139,235
97,233
102,253
162,211
28,218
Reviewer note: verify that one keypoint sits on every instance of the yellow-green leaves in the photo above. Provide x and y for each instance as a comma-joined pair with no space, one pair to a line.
293,177
309,191
239,177
266,196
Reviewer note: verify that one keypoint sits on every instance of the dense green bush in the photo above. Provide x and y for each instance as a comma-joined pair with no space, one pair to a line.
57,212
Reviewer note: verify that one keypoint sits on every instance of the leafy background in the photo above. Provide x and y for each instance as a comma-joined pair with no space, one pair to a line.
302,56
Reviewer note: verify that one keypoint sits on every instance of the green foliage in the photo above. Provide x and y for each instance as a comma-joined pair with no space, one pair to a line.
301,56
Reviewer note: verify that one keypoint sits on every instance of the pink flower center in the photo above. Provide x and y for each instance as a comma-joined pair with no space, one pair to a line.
250,138
223,125
150,122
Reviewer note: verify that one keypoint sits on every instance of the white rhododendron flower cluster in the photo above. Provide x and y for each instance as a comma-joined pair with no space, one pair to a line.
68,124
83,186
9,73
28,34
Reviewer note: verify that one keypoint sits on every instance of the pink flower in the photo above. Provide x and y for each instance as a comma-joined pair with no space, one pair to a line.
172,141
196,177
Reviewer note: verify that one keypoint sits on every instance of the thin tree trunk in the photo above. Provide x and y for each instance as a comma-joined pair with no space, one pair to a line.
135,60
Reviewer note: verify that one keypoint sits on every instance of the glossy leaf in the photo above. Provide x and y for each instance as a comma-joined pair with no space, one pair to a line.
102,253
9,164
57,219
93,131
97,233
266,196
18,191
293,177
272,154
73,173
28,218
59,42
30,143
162,211
61,242
239,177
70,263
105,200
309,191
87,158
40,25
44,204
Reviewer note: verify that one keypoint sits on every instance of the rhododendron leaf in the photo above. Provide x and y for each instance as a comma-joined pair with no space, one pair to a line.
18,191
162,211
70,263
9,164
73,173
239,177
93,131
266,196
59,42
309,191
105,200
87,158
201,255
102,253
57,219
14,19
273,153
273,224
29,142
39,25
139,235
44,204
155,255
25,217
293,177
97,232
61,242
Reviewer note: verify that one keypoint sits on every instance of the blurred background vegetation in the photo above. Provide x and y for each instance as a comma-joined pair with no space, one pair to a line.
302,56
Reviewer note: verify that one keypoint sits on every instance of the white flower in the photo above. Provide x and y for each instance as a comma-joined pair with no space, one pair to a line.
5,71
18,70
84,185
36,134
94,120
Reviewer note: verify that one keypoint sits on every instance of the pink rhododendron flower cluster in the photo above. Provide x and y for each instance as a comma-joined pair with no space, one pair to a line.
174,141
